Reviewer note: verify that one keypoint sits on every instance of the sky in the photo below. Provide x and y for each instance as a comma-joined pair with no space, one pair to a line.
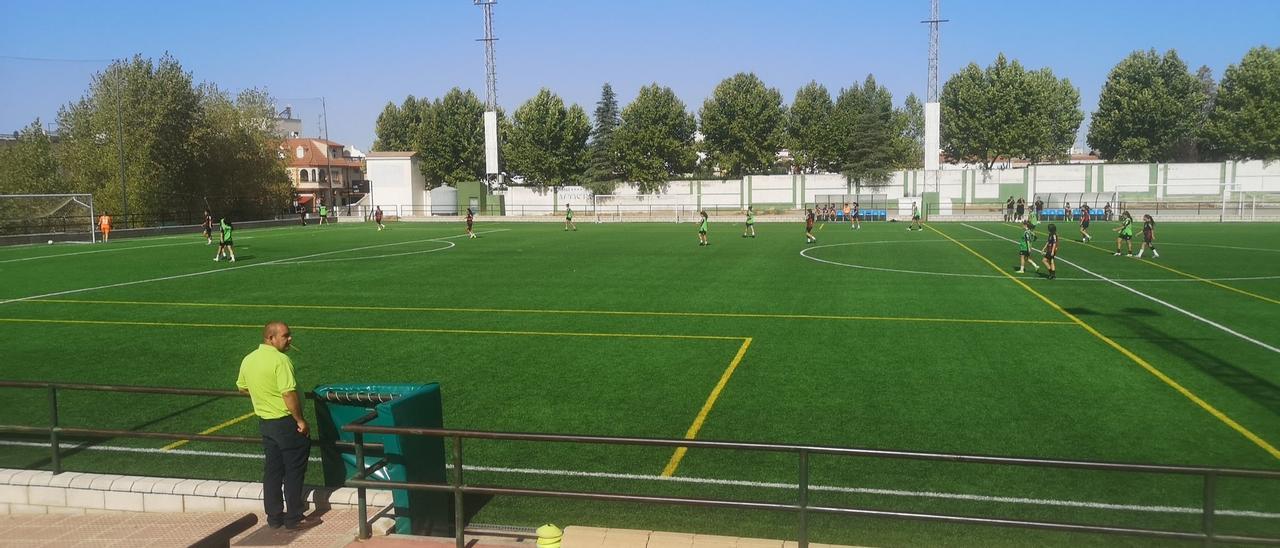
357,56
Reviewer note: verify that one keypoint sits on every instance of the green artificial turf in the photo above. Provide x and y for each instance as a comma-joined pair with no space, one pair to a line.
878,338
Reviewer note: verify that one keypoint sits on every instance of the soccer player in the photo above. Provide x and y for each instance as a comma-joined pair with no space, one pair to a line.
225,246
1148,237
104,225
471,219
702,228
1085,215
207,225
377,217
750,229
809,238
568,218
1018,212
324,213
915,218
856,222
1024,248
1125,232
1051,250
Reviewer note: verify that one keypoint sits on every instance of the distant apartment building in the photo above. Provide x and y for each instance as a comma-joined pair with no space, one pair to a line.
323,171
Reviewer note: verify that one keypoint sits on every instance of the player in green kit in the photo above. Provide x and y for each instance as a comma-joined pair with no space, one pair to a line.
702,229
568,218
750,229
1024,248
1125,232
225,245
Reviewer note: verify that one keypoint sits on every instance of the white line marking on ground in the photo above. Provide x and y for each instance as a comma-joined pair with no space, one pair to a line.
732,483
805,253
1189,314
107,250
451,244
230,268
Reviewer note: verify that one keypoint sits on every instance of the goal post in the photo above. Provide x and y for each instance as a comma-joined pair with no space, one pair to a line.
620,208
60,217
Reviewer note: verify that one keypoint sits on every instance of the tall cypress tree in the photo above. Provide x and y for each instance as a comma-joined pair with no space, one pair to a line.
604,166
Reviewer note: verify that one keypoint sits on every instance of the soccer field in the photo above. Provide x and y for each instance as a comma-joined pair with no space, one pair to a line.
878,338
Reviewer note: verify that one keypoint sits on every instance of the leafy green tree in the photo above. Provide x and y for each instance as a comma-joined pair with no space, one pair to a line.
604,170
398,126
241,172
913,132
810,132
548,142
869,134
159,108
743,125
1150,107
655,140
28,165
1007,111
1245,123
456,151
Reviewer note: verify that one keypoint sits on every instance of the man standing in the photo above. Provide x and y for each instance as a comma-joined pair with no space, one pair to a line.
266,375
377,217
324,213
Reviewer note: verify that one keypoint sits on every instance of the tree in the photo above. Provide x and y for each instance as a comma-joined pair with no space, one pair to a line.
655,140
1149,109
743,125
1245,123
1007,111
810,137
235,144
548,142
158,107
28,165
604,169
455,153
869,133
913,132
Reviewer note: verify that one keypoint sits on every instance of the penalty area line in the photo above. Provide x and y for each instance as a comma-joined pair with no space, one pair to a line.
1027,501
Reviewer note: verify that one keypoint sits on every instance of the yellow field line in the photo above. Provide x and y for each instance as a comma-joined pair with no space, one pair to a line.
1192,276
378,329
557,312
1125,351
692,433
209,430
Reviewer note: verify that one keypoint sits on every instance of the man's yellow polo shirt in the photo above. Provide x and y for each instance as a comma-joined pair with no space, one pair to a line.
267,374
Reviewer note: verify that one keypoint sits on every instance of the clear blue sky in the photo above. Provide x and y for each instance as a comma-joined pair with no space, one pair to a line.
360,55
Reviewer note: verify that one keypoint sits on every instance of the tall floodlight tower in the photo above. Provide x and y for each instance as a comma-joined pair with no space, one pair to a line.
490,95
932,110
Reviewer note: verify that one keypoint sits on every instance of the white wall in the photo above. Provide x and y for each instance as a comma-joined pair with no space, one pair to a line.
396,182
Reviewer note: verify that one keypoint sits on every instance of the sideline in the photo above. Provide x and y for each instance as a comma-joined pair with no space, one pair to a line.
712,481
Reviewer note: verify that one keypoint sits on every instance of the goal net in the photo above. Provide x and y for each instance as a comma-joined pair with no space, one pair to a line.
642,208
37,217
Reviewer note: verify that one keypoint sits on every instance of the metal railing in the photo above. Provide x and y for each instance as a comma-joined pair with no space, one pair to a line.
801,507
56,431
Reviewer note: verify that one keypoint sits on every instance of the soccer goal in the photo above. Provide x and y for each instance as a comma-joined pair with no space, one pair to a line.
620,208
1205,201
53,217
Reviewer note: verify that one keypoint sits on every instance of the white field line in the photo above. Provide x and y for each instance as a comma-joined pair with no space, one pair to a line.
1189,314
733,483
106,250
230,268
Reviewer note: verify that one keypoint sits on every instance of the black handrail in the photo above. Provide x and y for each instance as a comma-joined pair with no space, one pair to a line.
802,507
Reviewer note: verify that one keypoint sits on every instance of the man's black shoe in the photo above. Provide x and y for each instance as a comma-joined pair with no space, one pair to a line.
304,523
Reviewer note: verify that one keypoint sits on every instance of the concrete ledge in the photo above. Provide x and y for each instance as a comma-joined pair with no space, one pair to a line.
41,492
